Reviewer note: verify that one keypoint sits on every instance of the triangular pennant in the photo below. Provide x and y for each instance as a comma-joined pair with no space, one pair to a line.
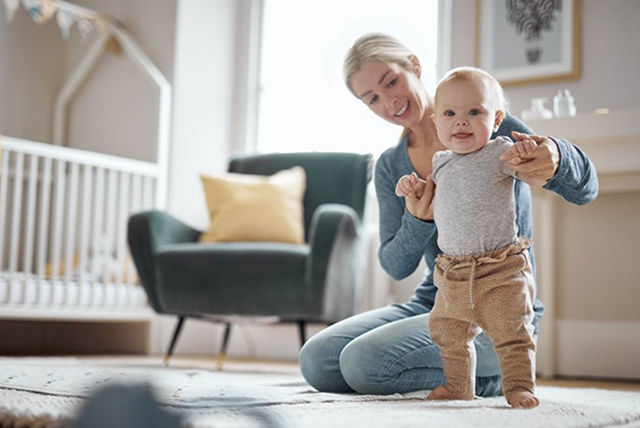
65,20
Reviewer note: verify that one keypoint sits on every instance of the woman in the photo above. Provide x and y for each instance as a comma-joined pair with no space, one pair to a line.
389,350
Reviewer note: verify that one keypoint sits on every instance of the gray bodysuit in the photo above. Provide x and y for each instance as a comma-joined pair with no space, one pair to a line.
474,206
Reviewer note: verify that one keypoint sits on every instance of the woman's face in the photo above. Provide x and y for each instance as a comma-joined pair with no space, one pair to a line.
392,92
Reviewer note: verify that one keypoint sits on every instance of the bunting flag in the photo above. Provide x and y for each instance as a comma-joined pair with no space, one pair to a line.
85,27
64,20
43,10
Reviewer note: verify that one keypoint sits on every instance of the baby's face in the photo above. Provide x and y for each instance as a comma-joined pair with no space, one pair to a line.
464,115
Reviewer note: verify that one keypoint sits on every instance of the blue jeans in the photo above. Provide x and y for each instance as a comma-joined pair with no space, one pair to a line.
386,351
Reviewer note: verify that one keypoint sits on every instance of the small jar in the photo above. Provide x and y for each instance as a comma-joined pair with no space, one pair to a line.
563,105
537,110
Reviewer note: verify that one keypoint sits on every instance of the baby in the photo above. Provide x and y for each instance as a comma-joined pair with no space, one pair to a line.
483,277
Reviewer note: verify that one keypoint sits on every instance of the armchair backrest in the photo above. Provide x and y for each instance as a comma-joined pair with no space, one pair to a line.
338,178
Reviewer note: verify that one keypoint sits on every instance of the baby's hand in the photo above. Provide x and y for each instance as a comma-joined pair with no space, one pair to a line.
410,185
520,150
404,187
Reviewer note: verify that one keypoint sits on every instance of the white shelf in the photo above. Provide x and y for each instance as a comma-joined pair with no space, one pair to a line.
102,314
612,140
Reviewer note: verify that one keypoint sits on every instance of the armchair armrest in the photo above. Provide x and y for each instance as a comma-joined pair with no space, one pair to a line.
332,263
147,231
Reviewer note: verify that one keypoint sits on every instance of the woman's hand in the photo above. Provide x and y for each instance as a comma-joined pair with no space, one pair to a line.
537,167
420,201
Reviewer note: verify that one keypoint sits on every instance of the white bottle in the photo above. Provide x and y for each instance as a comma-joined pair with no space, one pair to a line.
563,105
537,110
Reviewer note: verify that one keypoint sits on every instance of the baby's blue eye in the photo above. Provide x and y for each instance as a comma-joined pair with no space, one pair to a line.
373,100
392,82
449,113
474,112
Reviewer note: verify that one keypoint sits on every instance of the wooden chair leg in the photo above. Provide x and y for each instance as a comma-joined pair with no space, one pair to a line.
303,332
174,339
222,356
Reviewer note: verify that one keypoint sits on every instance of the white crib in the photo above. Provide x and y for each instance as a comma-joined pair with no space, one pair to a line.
63,220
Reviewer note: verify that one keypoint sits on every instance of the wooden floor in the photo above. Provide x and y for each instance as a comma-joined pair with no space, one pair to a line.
590,383
291,366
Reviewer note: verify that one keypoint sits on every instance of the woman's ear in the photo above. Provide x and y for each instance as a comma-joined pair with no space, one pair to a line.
498,120
415,65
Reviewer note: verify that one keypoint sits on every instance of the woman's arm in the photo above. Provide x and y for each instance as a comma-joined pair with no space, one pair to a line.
564,168
403,238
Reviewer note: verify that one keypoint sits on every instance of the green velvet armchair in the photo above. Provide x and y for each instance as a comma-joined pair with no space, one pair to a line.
313,282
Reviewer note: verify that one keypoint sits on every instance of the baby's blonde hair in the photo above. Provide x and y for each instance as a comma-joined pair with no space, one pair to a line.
476,75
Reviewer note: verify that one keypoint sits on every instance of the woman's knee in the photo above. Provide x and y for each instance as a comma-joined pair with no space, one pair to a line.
310,361
362,366
319,365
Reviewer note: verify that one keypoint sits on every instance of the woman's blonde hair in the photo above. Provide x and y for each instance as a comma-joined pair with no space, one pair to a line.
378,47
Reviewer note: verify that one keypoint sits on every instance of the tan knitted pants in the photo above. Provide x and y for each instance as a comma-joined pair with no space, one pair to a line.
492,291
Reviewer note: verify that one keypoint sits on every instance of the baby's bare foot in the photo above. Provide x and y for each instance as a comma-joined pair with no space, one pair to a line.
442,393
523,400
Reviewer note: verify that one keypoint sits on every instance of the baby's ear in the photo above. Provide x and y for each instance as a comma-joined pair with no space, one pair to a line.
498,120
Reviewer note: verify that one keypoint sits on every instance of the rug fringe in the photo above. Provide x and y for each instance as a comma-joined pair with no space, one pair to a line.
8,420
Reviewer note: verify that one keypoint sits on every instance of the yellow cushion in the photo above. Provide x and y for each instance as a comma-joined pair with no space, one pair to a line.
246,207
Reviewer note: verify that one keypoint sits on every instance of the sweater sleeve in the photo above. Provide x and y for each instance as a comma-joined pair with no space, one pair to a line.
403,238
576,179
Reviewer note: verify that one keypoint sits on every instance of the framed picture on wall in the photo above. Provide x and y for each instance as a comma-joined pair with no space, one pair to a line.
528,41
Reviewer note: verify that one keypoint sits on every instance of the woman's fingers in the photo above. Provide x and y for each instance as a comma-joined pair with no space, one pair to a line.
418,185
537,167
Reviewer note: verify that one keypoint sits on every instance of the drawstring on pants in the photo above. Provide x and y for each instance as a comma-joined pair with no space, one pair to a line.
472,280
444,282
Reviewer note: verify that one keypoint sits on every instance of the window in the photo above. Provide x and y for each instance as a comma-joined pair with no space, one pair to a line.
303,102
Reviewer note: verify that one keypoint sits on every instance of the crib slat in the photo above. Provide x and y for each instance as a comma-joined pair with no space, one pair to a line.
43,229
121,234
136,195
4,178
31,214
56,244
112,191
72,199
97,235
87,181
147,194
15,215
136,205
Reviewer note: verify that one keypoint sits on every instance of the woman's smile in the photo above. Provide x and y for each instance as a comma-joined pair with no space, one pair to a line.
402,110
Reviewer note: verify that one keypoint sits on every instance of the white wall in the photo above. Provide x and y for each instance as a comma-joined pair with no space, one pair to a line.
203,100
115,111
610,56
30,74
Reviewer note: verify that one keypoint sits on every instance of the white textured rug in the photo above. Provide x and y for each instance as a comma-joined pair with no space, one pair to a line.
51,391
